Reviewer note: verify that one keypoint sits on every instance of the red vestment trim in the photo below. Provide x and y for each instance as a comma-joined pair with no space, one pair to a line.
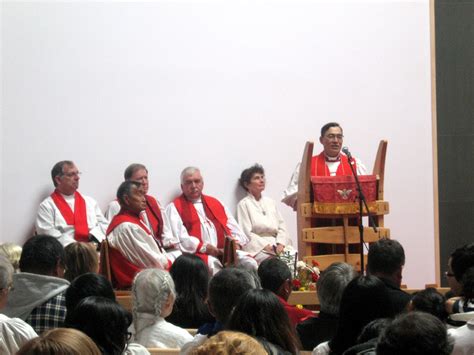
78,218
153,214
319,167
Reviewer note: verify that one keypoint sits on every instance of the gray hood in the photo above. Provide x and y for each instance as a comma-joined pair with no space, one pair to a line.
31,291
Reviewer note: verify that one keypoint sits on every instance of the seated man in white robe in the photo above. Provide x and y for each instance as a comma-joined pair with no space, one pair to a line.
66,214
132,247
202,223
153,216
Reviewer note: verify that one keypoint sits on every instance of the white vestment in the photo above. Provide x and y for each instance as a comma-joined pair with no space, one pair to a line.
189,243
289,194
167,237
136,245
50,221
13,334
262,223
463,339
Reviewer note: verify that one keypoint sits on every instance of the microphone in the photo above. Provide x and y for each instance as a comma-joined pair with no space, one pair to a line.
346,151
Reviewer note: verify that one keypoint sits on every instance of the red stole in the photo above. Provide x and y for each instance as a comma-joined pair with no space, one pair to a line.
123,271
153,214
319,167
78,218
214,212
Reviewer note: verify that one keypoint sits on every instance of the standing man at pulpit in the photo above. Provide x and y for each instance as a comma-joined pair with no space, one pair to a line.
330,162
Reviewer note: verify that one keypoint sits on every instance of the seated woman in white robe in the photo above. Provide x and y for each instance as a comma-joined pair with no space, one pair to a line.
153,296
260,219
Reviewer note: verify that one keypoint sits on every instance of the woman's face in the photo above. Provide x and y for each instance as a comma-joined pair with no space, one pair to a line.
256,184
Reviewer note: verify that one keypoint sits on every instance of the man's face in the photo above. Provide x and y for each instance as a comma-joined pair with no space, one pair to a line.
141,176
192,186
455,286
68,181
332,141
135,201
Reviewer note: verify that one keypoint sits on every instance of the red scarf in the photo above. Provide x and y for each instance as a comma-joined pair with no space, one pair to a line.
214,212
153,214
319,167
78,218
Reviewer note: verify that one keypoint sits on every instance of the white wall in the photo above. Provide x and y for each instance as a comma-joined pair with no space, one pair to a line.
219,85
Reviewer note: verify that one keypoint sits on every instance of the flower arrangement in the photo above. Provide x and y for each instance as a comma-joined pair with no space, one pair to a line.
304,275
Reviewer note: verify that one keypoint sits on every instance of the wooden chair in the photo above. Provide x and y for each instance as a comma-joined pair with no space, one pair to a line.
157,351
105,261
309,211
230,252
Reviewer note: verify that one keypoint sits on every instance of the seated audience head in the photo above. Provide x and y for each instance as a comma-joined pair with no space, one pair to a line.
60,341
131,197
259,313
192,183
275,276
153,293
230,343
386,259
6,279
364,299
415,333
13,253
331,138
373,329
65,177
80,259
105,321
253,179
430,301
467,283
459,262
90,284
225,289
137,172
43,255
331,285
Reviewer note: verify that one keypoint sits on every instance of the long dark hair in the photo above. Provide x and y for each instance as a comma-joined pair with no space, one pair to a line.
191,280
104,321
259,313
364,300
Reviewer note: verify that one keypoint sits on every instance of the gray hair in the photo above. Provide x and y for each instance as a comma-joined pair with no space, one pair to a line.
131,169
6,272
58,169
331,285
150,290
188,171
12,252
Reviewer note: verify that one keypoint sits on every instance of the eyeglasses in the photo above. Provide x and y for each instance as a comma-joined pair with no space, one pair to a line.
72,174
448,274
338,137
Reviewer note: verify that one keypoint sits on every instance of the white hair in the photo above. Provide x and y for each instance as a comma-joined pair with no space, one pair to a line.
188,171
6,272
150,290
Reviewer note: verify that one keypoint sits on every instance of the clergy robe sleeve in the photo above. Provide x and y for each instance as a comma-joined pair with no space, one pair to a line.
98,230
112,209
168,237
361,169
290,193
256,243
282,236
235,229
45,220
187,243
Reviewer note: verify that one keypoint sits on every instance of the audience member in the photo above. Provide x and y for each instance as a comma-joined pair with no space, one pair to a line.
153,298
132,246
458,263
275,276
463,338
13,253
430,301
367,339
225,289
259,313
38,294
90,284
66,214
153,215
13,331
191,279
260,219
364,299
201,223
80,259
415,333
385,260
60,341
330,286
107,323
230,343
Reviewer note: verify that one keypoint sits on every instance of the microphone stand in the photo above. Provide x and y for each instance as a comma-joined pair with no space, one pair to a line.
362,201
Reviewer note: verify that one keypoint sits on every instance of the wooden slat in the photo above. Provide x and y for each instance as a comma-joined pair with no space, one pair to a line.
125,301
379,167
334,235
304,195
337,210
325,260
156,351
